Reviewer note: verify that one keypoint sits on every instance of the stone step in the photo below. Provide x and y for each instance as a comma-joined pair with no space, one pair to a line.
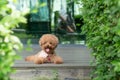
76,66
62,73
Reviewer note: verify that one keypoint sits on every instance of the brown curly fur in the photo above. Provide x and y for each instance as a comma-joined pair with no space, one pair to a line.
48,43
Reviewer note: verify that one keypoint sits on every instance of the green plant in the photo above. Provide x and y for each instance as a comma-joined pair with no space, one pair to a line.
9,18
24,35
102,29
78,22
55,75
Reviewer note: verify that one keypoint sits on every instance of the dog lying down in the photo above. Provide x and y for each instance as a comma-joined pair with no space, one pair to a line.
48,43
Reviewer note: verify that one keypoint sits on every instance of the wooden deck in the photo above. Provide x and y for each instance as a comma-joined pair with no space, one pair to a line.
73,55
77,59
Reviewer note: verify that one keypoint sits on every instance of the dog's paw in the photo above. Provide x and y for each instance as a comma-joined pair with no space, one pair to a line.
29,58
57,60
39,60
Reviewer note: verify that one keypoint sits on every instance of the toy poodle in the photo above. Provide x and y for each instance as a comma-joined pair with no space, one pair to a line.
48,43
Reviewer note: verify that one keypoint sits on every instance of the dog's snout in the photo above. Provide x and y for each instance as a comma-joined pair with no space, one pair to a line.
48,45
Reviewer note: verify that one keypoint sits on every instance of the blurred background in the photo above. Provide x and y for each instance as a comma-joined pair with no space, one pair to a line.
60,17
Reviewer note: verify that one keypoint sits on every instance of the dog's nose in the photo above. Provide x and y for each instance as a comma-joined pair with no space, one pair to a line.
48,44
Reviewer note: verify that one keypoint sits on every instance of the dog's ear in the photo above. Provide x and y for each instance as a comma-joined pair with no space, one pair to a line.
40,43
56,38
56,46
41,40
56,41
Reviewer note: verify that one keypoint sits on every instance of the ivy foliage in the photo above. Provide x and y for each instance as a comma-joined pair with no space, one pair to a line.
9,18
102,29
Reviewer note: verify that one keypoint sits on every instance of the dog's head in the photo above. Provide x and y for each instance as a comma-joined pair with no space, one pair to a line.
48,43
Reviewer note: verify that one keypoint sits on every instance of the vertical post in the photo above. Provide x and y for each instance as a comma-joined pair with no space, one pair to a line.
50,11
72,8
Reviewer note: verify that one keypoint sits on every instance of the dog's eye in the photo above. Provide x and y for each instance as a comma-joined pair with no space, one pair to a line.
44,43
50,42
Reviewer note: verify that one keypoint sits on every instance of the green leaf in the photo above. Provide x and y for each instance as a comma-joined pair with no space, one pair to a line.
43,4
29,46
116,65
